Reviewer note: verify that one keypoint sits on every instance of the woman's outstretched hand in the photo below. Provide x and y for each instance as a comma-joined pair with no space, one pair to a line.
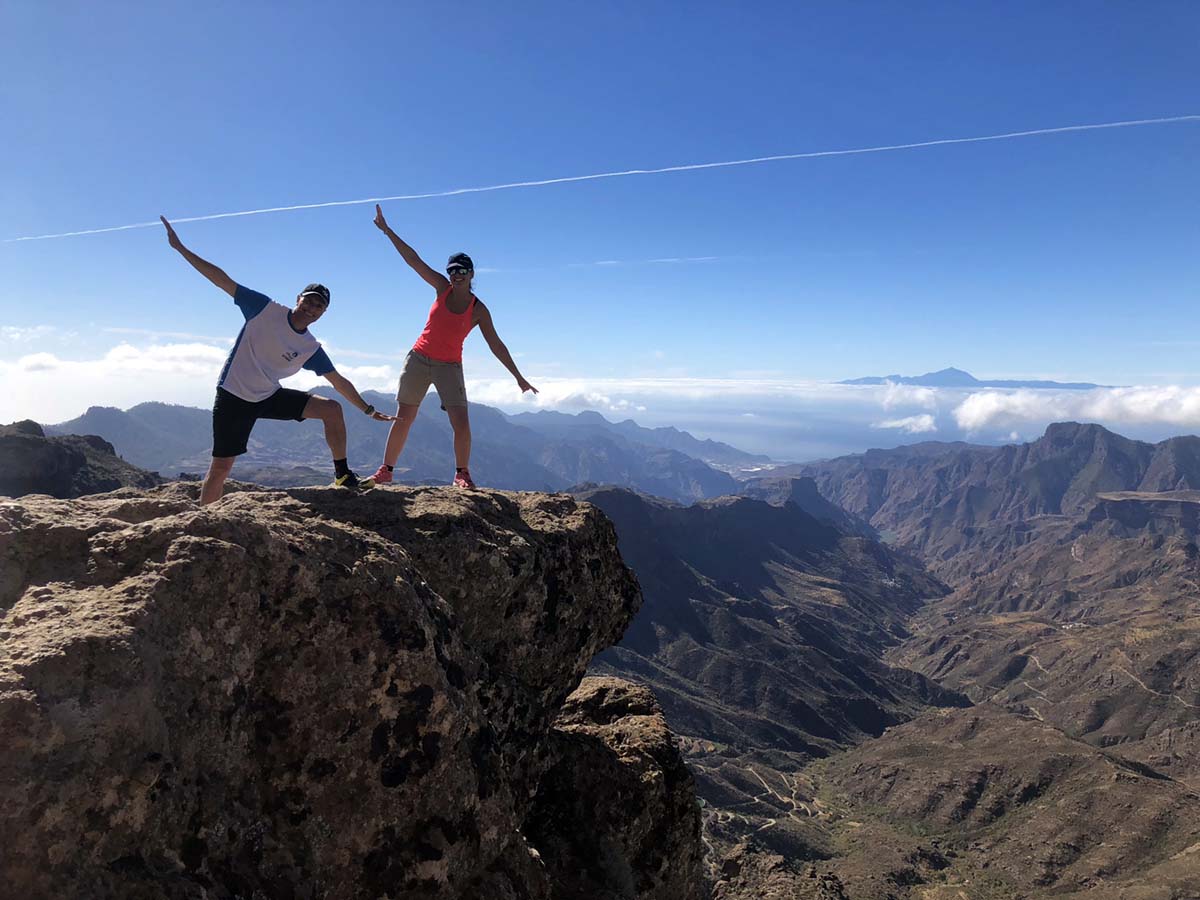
172,237
380,221
526,386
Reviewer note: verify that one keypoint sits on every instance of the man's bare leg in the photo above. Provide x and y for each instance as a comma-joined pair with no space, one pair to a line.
331,416
214,481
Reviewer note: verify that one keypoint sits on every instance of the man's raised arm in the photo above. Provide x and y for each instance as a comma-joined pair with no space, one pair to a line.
436,280
215,274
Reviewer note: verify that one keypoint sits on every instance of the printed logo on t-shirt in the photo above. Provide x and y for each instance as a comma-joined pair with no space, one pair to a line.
290,355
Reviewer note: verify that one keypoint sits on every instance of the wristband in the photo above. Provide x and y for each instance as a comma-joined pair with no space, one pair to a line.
369,411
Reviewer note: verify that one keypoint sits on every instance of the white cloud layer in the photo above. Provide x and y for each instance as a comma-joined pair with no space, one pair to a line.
125,360
1168,405
569,395
922,424
761,411
898,395
49,388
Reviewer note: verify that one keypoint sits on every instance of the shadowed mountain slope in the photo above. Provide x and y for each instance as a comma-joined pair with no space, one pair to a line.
762,634
780,618
804,493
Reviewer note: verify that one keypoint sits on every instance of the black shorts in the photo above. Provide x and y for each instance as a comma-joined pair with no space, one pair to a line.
234,418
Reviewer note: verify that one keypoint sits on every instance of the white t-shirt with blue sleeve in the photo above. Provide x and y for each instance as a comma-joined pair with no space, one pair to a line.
268,349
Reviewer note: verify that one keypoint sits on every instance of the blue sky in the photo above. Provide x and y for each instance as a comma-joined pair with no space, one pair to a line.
1066,256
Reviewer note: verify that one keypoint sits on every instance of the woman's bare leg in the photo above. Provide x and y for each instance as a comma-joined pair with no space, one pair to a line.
461,423
406,414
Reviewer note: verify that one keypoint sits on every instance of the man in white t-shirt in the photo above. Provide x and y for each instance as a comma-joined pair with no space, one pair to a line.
274,344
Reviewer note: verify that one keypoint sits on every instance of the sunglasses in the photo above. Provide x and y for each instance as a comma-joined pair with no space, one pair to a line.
457,270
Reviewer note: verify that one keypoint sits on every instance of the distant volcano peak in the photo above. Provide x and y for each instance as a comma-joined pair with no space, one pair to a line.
957,378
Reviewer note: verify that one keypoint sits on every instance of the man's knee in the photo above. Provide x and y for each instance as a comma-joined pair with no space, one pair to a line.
325,410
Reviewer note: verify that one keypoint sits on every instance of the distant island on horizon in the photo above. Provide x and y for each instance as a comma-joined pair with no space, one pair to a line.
958,378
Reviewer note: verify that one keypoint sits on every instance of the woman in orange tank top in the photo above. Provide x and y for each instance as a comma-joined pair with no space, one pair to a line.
436,357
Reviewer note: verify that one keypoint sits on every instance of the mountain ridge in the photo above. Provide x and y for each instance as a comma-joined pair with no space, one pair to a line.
957,378
1075,574
508,452
667,436
936,499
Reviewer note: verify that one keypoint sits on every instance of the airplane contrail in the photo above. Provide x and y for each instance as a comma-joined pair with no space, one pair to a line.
692,167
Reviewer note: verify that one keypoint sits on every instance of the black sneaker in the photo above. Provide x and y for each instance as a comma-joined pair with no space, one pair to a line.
350,480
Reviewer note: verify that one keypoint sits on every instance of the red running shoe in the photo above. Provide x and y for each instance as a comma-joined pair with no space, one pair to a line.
462,479
382,475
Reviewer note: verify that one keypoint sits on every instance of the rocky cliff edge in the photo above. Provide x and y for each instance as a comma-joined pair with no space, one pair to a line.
322,694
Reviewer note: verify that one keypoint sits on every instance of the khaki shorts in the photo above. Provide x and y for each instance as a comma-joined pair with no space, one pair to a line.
420,371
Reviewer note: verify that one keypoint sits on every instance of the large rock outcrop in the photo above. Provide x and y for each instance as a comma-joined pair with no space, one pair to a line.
305,694
617,816
67,466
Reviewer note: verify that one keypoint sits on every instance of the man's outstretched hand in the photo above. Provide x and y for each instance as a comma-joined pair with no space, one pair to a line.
172,237
215,274
526,386
380,221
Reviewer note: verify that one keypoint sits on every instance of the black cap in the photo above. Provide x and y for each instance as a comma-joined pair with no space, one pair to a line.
319,289
460,259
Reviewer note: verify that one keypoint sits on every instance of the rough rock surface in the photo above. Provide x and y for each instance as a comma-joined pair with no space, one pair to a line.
750,871
617,817
314,694
68,466
518,591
